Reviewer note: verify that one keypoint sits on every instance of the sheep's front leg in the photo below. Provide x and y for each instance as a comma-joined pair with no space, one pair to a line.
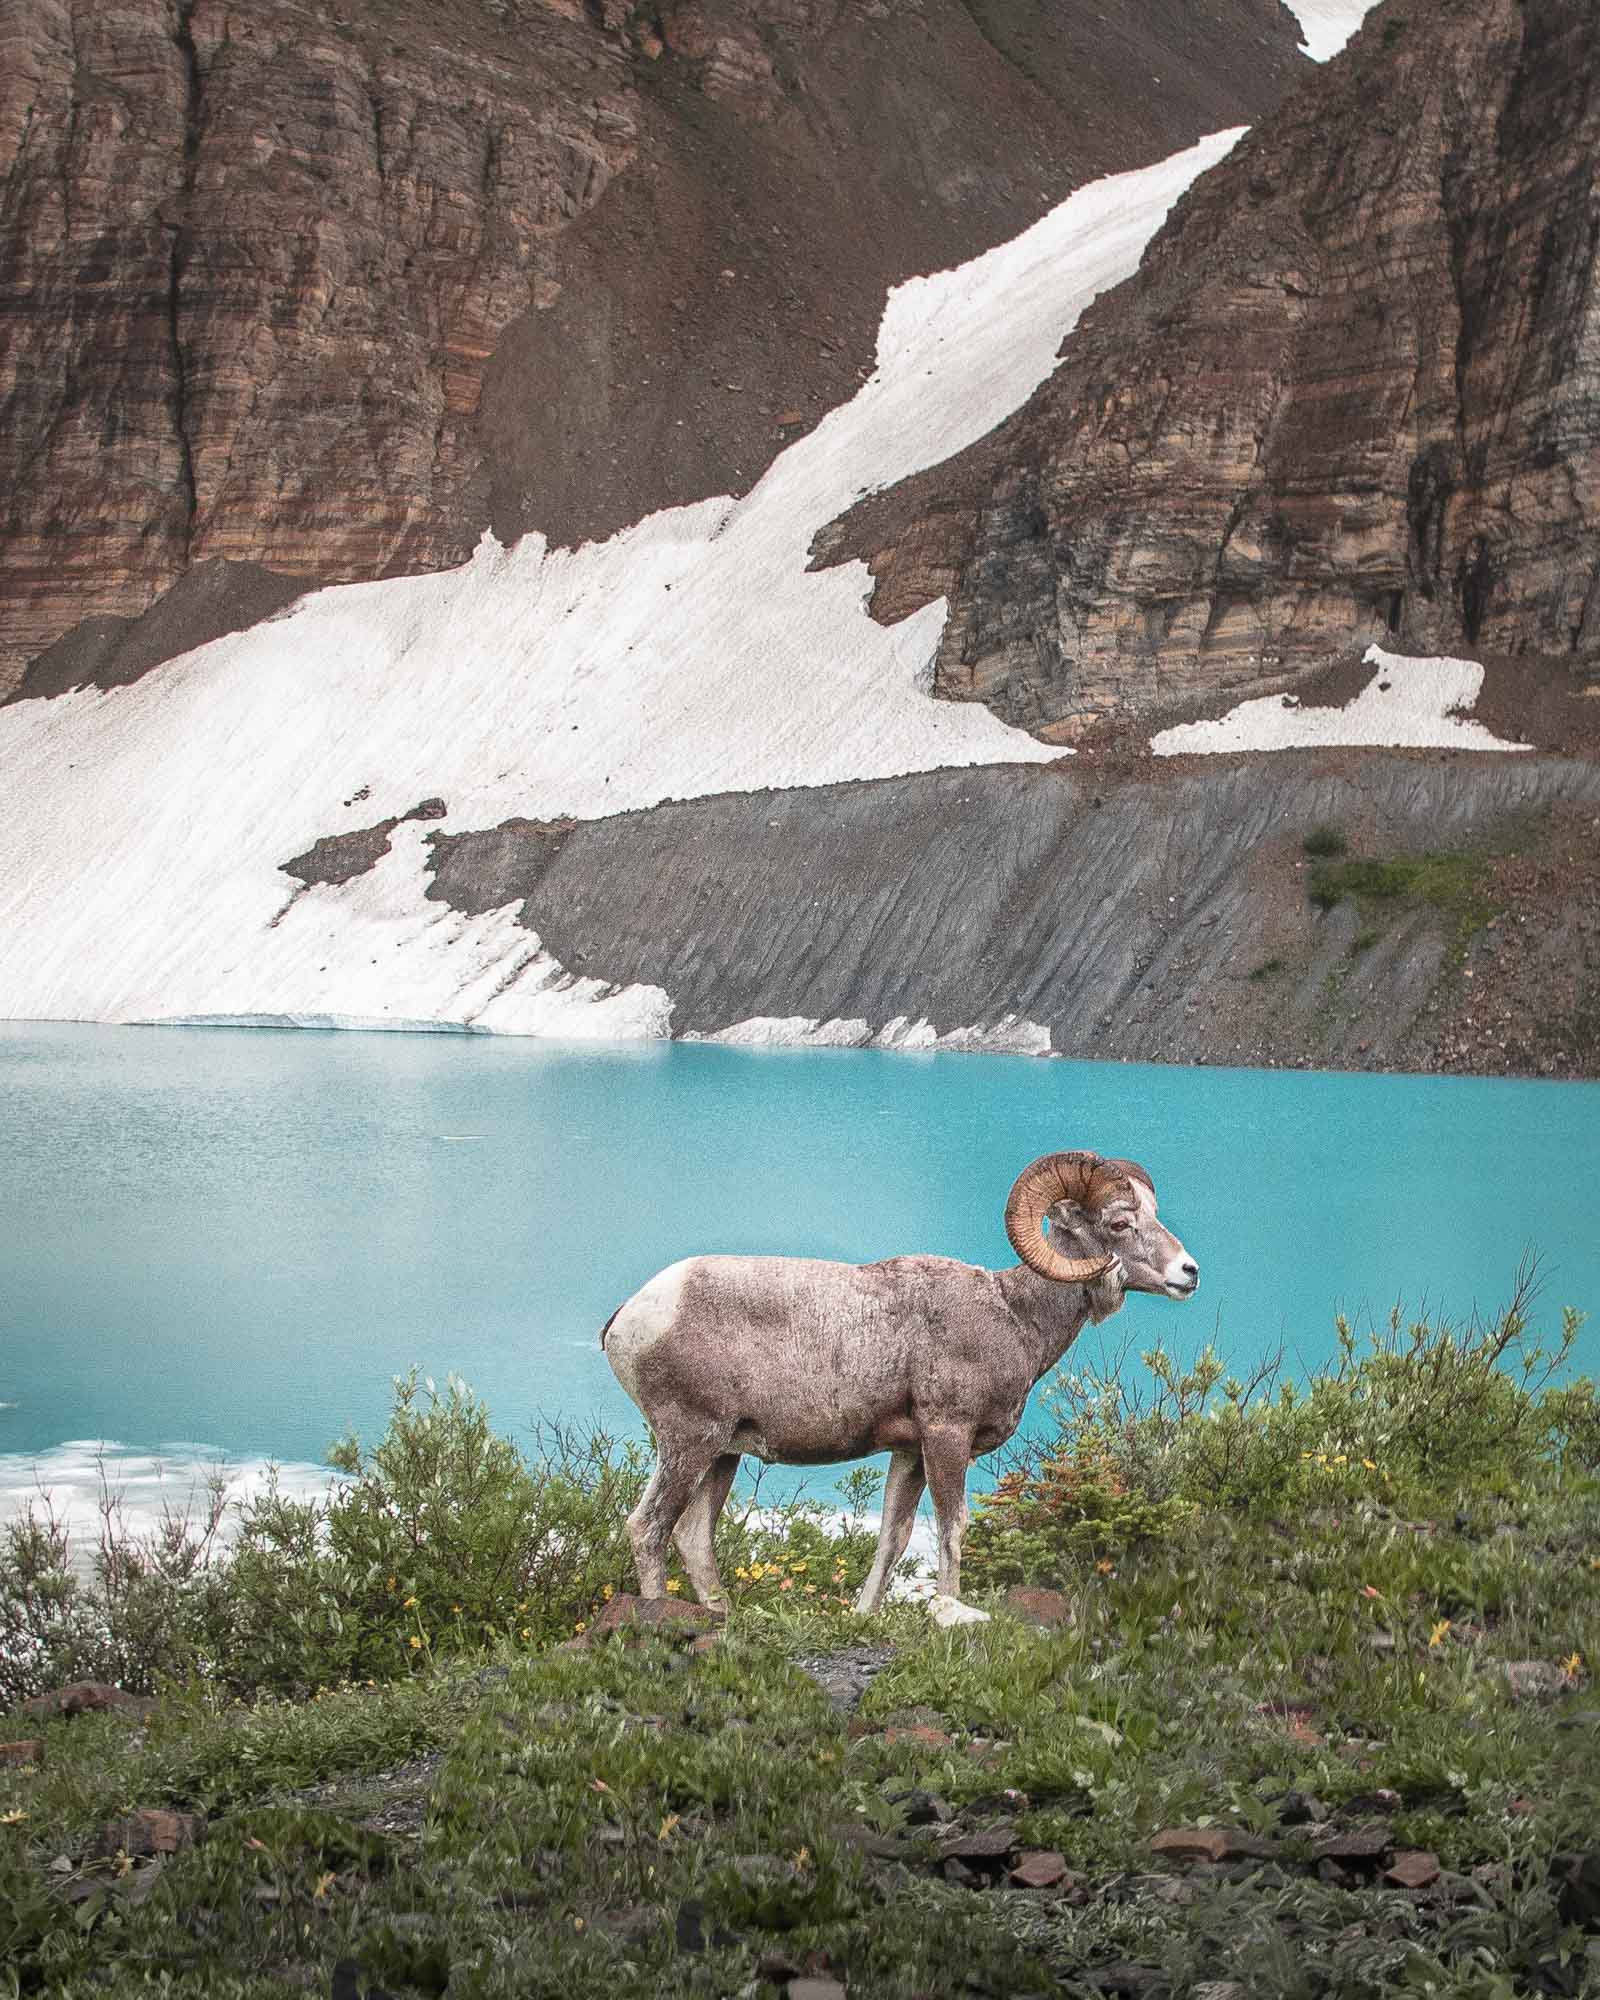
947,1454
901,1492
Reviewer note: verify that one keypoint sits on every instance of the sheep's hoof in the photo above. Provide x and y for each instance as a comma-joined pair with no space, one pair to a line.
948,1611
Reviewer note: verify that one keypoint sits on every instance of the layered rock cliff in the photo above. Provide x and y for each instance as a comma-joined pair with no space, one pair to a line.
328,286
1353,394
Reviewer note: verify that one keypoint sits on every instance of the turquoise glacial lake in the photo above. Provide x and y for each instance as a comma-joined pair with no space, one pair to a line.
229,1241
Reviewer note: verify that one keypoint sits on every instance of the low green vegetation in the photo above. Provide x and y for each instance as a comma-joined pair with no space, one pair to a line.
1333,1639
1452,883
1323,842
1269,968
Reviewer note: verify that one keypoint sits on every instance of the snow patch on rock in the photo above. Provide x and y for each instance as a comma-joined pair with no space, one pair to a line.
1326,25
1409,704
1010,1035
693,653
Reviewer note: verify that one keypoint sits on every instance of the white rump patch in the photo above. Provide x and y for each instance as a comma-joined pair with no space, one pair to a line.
1409,704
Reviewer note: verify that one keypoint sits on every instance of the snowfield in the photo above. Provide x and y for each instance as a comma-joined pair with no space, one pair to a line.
1409,704
1326,25
690,654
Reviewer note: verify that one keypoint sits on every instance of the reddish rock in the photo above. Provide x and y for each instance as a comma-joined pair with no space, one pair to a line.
1351,395
1359,1844
668,1615
331,294
29,1751
1211,1843
1040,1870
987,1845
1414,1869
1045,1608
919,1738
89,1698
1297,1719
149,1831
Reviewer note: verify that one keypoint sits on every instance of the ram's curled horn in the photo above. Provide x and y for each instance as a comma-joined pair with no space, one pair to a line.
1083,1178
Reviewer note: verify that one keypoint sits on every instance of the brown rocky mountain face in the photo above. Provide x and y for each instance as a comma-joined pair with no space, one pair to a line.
1352,394
326,286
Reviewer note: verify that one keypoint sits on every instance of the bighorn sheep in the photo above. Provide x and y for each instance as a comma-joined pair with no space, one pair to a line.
810,1363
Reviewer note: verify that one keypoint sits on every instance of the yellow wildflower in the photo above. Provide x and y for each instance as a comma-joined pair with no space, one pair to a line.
1370,1463
391,1583
1572,1666
13,1818
456,1608
1105,1567
811,1590
1436,1636
608,1593
581,1626
324,1884
409,1605
798,1568
667,1826
743,1575
673,1586
526,1633
1341,1458
416,1643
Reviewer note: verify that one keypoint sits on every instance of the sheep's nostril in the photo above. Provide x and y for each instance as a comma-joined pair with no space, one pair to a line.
1190,1268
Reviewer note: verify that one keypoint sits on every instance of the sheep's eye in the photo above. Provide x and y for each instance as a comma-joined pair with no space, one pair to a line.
1121,1226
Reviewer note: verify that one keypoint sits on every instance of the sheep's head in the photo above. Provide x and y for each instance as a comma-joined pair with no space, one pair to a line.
1101,1217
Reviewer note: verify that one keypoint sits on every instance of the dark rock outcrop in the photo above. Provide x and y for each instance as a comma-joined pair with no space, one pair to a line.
1352,394
330,288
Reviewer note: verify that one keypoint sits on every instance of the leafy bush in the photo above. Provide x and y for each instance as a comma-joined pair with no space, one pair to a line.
1324,842
1414,1407
441,1538
1050,1515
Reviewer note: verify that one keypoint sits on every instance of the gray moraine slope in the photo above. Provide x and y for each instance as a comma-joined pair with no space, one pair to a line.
1155,913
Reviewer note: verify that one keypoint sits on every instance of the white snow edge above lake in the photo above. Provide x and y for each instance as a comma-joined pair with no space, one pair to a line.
689,655
1326,25
172,1483
149,1486
1409,704
1011,1035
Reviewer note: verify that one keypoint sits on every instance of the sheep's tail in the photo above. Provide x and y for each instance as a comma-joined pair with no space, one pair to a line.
610,1323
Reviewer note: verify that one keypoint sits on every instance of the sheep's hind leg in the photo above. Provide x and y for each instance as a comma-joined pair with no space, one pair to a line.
947,1455
901,1492
679,1469
696,1531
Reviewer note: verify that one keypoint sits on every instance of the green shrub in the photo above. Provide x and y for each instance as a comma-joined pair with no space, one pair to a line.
442,1538
1415,1409
1065,1506
1269,968
1324,841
